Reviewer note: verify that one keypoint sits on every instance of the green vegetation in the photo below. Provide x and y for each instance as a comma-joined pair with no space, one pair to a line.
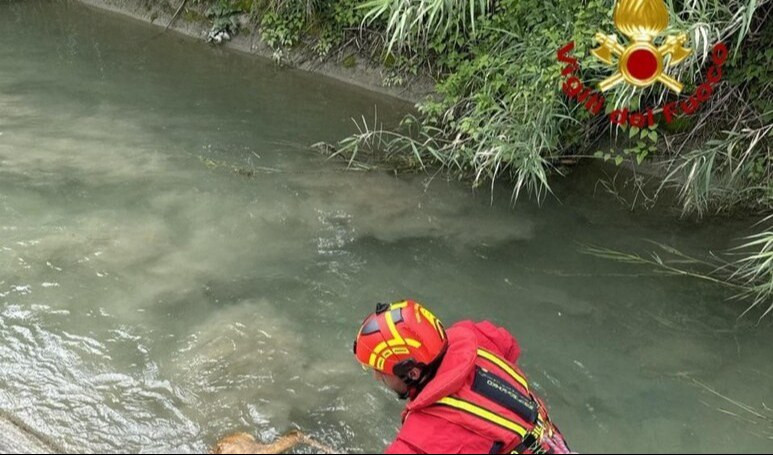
321,25
747,271
499,113
760,419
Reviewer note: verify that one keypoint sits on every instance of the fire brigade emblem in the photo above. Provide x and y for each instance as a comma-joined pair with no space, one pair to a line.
642,62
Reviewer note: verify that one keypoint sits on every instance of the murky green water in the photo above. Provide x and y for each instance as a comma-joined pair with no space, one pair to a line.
154,298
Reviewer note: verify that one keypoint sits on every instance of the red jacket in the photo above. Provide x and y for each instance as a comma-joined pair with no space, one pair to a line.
423,432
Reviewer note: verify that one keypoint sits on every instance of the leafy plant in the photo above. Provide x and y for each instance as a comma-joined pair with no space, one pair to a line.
224,16
642,143
283,30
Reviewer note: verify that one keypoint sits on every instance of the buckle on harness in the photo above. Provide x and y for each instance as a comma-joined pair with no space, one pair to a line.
532,441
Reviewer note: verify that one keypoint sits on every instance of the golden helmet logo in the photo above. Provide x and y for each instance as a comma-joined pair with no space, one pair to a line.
641,63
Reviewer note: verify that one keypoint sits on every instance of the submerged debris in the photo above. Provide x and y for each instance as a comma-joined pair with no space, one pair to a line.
218,36
225,22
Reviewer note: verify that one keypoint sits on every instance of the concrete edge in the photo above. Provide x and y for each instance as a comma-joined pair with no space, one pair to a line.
362,74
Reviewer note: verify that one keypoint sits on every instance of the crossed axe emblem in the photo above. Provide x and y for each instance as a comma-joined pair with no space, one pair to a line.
641,63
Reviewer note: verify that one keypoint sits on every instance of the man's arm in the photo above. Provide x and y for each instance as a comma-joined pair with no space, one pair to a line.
425,433
400,446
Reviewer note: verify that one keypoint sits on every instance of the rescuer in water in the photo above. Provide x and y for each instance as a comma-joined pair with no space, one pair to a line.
466,394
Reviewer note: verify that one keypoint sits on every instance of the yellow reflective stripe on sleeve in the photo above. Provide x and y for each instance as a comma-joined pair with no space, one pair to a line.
484,414
504,366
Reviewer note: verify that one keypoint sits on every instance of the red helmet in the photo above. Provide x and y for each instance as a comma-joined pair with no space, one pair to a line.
398,337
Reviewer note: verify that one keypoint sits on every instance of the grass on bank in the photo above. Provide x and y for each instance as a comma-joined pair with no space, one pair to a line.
747,270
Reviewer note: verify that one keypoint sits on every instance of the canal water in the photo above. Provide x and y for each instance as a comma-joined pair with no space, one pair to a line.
176,263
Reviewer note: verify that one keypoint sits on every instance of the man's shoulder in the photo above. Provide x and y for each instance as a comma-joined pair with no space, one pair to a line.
491,337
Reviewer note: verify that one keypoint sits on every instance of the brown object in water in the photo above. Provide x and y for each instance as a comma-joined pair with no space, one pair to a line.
246,443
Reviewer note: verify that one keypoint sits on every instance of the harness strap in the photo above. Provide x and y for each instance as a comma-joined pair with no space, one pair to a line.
530,440
503,365
485,414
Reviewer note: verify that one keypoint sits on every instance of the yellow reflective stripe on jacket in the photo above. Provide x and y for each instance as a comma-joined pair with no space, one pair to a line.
483,414
504,366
